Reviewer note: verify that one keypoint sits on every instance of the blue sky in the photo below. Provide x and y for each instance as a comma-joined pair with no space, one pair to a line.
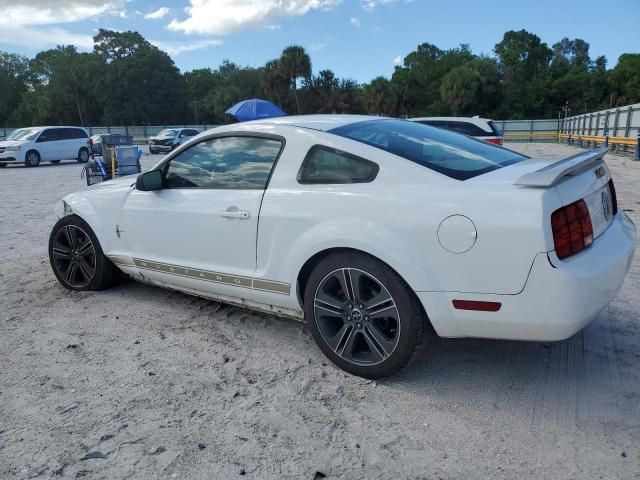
358,39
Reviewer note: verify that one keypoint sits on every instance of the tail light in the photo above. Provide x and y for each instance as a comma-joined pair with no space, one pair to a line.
572,229
495,141
614,197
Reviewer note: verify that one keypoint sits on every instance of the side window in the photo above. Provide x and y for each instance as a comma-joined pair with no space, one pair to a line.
435,123
324,165
468,129
48,135
243,163
66,133
77,133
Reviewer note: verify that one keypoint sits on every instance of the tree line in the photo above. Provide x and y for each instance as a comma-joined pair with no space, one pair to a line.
126,80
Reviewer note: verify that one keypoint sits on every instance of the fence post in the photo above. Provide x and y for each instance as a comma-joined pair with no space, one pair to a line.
606,137
531,131
638,146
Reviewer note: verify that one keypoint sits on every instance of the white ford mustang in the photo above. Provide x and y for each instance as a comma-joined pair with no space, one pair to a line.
376,231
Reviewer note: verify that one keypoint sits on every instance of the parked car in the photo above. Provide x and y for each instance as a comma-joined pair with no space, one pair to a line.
50,144
373,230
481,128
170,138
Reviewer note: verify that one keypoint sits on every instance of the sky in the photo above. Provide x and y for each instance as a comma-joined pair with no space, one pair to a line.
358,39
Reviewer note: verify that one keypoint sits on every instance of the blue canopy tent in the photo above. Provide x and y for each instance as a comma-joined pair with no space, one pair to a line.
254,109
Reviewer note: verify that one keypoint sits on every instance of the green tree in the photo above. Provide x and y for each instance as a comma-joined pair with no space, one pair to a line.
140,84
625,79
15,77
379,97
295,64
524,62
66,77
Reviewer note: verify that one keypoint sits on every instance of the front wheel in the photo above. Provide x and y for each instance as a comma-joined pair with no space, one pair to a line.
362,315
32,159
76,257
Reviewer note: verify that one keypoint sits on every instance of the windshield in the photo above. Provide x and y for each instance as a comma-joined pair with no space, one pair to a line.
15,134
457,156
168,132
29,134
22,134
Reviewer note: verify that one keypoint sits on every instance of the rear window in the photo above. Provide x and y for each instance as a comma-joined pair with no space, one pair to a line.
453,155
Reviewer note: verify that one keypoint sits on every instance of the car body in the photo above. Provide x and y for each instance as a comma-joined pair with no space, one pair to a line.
50,144
169,138
481,128
272,214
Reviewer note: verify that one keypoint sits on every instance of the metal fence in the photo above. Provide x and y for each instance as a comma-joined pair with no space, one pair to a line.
619,122
616,122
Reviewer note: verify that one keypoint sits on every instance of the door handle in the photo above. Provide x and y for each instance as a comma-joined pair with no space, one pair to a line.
235,213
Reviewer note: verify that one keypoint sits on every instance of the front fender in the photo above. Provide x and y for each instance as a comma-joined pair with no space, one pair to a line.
78,204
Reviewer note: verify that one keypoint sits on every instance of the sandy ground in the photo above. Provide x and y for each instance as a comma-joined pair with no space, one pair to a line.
139,382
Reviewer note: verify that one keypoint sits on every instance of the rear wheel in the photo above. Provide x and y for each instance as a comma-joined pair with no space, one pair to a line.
32,158
76,257
83,155
362,315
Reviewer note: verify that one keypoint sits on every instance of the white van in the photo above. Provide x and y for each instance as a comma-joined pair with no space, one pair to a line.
45,144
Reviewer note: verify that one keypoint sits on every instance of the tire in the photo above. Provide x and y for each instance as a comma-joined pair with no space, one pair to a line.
83,155
77,259
385,325
55,162
153,151
2,165
32,158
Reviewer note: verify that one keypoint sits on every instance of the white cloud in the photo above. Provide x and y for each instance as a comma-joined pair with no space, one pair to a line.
44,37
273,27
176,48
158,14
355,22
45,12
397,60
369,5
317,46
221,17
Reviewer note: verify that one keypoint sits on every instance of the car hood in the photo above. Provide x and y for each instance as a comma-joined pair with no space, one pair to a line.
122,183
11,143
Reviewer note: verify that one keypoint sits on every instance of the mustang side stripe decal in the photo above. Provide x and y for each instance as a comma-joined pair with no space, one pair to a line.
208,276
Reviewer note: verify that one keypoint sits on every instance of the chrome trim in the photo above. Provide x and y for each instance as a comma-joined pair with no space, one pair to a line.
241,281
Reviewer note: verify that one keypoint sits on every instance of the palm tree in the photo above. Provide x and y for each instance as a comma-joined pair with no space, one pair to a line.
295,64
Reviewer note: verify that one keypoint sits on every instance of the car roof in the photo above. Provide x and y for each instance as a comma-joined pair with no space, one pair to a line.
475,120
315,122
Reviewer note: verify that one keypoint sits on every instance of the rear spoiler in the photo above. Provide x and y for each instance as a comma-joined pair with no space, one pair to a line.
567,167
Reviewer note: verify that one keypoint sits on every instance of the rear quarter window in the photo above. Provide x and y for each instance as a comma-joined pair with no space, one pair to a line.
325,165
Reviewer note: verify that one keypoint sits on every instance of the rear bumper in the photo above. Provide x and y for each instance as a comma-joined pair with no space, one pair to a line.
559,297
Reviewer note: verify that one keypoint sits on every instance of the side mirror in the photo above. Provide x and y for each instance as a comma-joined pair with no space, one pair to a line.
149,181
